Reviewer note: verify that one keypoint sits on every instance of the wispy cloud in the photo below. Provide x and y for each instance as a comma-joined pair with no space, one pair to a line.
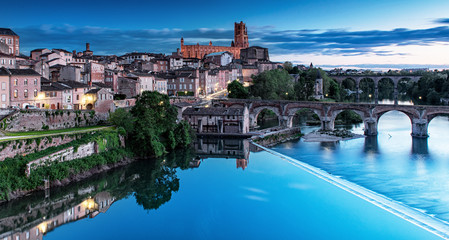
332,42
442,21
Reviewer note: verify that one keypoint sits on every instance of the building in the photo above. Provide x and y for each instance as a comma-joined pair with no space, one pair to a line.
4,88
129,86
100,99
176,60
7,61
218,119
25,84
78,91
199,51
54,95
254,54
146,80
219,58
11,39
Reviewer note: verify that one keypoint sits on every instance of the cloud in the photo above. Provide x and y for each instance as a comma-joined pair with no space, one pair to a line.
442,21
333,42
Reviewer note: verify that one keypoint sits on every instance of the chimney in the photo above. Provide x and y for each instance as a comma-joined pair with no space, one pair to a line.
74,53
87,46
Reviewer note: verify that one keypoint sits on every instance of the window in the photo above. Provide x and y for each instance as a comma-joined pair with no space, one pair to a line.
35,92
3,86
16,93
35,81
25,93
16,82
190,86
181,79
9,41
25,82
3,97
77,97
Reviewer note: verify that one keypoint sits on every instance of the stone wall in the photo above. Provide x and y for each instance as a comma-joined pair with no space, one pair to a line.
37,120
272,138
64,155
26,146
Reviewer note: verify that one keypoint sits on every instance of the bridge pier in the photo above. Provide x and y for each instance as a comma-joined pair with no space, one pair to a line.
395,95
419,128
370,127
376,95
327,125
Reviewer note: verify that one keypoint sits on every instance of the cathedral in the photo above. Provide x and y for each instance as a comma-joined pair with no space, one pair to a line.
199,51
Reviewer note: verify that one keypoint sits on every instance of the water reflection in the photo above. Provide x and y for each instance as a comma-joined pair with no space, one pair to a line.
393,163
151,182
371,145
223,148
420,146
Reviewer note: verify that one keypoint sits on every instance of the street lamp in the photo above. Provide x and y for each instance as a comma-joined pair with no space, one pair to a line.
420,97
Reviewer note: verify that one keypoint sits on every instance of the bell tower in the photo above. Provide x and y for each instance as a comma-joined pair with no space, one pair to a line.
240,35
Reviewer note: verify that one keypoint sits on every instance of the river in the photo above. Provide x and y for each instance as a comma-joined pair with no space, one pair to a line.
230,189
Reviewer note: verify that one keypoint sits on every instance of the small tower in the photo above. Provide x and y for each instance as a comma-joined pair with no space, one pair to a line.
182,42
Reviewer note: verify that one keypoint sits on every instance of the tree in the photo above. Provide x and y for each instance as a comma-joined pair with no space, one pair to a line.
154,125
288,66
237,90
122,118
274,85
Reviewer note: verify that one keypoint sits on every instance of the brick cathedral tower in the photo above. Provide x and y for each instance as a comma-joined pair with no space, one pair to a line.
240,35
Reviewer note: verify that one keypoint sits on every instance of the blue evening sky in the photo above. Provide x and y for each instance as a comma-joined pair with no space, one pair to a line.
327,32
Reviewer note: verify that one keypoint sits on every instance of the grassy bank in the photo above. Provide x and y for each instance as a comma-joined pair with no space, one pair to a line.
12,170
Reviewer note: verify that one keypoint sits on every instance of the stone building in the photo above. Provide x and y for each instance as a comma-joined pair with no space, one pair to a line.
254,54
11,39
199,51
218,119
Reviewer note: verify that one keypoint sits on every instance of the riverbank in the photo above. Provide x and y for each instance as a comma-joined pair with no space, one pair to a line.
330,136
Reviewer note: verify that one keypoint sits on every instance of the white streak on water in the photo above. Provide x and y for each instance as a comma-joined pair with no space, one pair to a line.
255,190
414,216
256,198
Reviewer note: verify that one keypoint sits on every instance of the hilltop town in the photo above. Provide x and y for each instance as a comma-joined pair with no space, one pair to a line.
62,79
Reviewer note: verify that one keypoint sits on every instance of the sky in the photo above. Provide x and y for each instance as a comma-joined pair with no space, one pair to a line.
330,33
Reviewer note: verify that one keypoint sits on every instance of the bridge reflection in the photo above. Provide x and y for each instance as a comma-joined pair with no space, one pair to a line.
222,148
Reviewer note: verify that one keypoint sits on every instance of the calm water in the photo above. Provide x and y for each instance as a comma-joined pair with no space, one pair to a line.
409,170
219,191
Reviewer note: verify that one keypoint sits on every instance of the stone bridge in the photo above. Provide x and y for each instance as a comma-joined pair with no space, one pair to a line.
375,78
420,116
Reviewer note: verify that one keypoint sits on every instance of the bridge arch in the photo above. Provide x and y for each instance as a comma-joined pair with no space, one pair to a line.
254,113
291,112
386,88
367,85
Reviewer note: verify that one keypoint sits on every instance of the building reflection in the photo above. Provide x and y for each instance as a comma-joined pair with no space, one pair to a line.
34,230
222,148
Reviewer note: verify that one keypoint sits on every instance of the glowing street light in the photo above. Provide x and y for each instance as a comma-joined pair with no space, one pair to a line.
420,97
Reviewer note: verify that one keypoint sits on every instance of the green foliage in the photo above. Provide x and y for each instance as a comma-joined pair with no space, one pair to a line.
430,88
12,170
122,119
274,84
154,119
237,90
348,117
305,87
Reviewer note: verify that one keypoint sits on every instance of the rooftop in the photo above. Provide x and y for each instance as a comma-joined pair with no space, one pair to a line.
7,31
